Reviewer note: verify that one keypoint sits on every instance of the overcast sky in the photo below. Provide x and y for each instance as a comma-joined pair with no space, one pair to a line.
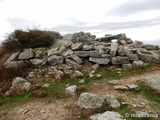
139,19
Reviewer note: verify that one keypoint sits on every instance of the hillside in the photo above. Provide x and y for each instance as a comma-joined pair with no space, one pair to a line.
45,75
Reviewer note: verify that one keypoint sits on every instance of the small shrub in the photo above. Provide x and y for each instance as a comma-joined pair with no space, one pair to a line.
34,38
10,46
19,39
7,75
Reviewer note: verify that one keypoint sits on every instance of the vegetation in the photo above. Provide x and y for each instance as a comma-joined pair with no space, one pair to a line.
20,39
151,94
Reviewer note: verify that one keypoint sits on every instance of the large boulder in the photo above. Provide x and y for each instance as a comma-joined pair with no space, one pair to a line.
120,60
27,54
110,37
54,60
15,64
13,57
89,100
108,115
148,57
152,82
21,83
82,37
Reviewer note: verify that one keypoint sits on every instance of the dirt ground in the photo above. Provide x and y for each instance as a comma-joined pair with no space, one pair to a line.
62,109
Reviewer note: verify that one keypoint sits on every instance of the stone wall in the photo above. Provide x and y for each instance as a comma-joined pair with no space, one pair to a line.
72,52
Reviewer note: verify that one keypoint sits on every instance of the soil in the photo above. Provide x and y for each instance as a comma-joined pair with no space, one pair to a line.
66,109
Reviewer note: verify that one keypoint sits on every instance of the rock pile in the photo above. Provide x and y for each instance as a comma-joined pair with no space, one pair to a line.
68,55
124,53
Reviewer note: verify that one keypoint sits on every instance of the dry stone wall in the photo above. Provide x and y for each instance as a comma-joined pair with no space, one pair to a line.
70,54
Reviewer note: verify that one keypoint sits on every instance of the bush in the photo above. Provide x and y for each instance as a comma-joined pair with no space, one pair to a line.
19,39
34,38
9,46
7,75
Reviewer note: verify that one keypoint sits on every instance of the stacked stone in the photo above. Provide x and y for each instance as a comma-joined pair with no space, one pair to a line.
69,54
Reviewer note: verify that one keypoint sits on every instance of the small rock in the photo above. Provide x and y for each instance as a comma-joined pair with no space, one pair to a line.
76,46
98,75
114,82
87,47
121,87
138,44
13,57
138,63
27,86
95,66
82,81
53,52
42,112
23,111
78,73
67,53
133,87
71,89
91,74
45,85
58,74
73,64
8,93
36,62
112,101
127,66
54,60
76,59
31,75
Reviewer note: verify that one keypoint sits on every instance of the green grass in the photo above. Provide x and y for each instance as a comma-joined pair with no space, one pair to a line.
11,102
149,93
56,91
111,74
128,110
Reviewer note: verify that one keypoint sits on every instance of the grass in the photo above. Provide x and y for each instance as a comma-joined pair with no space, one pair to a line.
7,103
56,91
111,74
32,38
128,112
149,93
